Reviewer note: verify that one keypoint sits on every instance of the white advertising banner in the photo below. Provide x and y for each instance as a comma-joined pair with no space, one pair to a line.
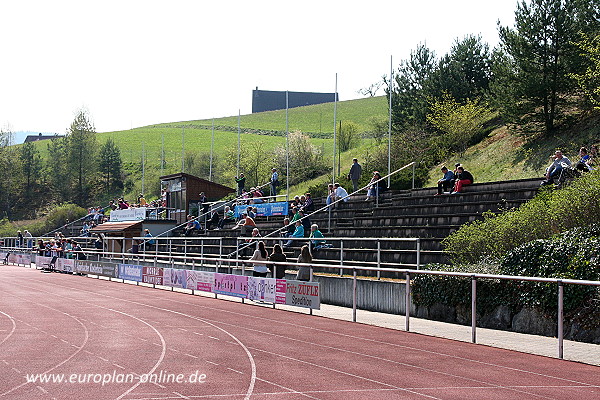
130,214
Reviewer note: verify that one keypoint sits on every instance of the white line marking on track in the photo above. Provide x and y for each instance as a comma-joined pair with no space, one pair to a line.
235,370
41,389
210,362
190,355
118,366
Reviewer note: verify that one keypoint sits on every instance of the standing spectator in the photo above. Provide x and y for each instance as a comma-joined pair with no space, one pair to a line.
278,256
354,174
305,223
241,183
593,155
78,251
463,178
228,216
308,206
19,239
149,240
447,181
274,182
304,258
41,247
29,238
141,200
260,258
559,162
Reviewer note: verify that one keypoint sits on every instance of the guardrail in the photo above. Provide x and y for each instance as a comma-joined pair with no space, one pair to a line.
234,265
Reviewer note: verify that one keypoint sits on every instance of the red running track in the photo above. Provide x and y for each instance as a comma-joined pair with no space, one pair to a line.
91,330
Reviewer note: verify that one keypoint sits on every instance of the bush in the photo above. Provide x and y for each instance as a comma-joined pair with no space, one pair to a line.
550,212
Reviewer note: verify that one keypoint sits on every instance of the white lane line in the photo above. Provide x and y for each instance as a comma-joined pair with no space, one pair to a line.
190,355
12,330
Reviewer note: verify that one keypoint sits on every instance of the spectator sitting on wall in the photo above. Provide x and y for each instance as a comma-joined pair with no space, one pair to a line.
463,178
559,162
278,271
330,194
447,181
298,233
228,217
192,225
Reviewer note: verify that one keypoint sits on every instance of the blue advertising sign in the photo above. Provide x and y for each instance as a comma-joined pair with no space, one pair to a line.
130,272
265,209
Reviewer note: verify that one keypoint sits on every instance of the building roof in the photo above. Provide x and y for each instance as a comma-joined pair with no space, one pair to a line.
116,226
35,138
192,177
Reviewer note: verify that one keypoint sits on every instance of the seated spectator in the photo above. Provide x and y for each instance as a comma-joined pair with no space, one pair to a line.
315,235
559,162
340,193
245,223
228,217
278,271
296,214
308,206
583,164
256,197
330,194
376,186
260,257
192,226
246,244
250,212
463,178
289,228
305,223
298,233
78,251
213,220
446,183
123,205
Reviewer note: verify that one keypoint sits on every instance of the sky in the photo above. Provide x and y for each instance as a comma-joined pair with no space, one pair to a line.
133,63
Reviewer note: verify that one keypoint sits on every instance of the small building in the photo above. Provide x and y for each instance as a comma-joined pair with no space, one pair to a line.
183,194
38,137
270,100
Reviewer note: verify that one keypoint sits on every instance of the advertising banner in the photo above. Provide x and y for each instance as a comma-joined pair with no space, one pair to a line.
303,294
261,289
232,285
130,214
175,277
41,261
65,265
96,268
280,291
152,275
21,259
200,280
130,272
265,209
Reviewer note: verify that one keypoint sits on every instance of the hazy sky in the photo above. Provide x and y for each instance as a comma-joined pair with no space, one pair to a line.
134,63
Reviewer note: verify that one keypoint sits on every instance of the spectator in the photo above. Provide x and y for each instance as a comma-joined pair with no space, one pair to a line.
78,251
85,230
29,237
340,193
304,258
559,162
354,174
192,225
99,243
228,216
330,194
583,164
305,223
41,247
20,240
256,196
289,228
315,235
123,205
447,181
247,222
309,205
260,258
248,242
149,240
213,220
241,183
296,214
68,247
298,233
141,200
250,212
376,187
463,178
278,256
112,205
593,155
274,182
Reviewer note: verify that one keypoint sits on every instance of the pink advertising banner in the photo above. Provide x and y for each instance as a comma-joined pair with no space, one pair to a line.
232,285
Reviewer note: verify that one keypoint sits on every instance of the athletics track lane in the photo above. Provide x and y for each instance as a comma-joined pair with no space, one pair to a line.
245,351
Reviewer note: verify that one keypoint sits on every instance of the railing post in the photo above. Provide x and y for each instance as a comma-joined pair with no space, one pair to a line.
237,253
341,257
413,175
560,319
418,253
353,294
310,279
202,252
220,247
378,259
407,303
474,309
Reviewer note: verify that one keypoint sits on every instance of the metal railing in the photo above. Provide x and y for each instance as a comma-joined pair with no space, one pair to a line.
239,265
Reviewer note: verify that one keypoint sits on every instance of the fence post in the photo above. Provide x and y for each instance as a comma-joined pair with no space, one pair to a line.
202,252
560,319
474,309
418,253
378,259
407,303
353,294
341,257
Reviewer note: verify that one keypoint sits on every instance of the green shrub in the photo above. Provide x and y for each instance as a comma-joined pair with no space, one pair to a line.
550,212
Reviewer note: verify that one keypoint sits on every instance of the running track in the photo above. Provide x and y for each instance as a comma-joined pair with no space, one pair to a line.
64,324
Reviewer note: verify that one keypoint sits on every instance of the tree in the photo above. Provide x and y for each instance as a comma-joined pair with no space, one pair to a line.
543,54
306,160
348,135
8,186
110,167
31,166
371,90
589,79
56,170
81,139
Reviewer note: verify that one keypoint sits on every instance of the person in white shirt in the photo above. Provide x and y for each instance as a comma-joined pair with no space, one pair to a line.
340,192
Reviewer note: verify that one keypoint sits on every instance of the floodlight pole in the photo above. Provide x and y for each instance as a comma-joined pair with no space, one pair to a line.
391,87
287,148
239,145
212,146
334,128
182,149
